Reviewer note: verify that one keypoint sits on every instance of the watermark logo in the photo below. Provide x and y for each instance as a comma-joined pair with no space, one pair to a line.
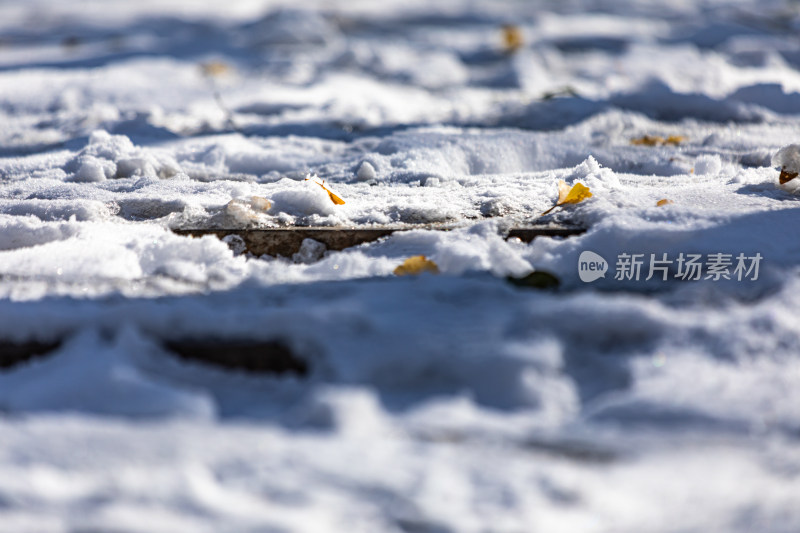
685,266
591,266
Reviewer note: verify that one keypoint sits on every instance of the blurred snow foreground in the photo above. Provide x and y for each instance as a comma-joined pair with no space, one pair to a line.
659,394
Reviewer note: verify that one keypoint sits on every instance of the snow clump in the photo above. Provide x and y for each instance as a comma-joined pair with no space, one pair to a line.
788,158
109,156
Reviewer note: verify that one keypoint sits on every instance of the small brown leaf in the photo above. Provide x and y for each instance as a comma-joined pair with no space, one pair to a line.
664,201
416,265
512,38
786,176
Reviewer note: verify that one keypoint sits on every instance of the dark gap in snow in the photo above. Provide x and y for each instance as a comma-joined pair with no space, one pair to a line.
14,353
287,241
420,526
263,357
583,44
576,450
530,233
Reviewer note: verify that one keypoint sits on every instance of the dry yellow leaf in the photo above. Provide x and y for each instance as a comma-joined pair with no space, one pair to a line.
664,201
512,38
336,199
578,193
566,195
648,140
215,69
416,265
656,140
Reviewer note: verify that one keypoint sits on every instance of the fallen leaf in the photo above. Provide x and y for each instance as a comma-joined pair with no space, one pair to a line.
648,140
416,265
512,38
578,193
336,199
664,201
656,140
786,176
675,140
566,195
215,69
538,279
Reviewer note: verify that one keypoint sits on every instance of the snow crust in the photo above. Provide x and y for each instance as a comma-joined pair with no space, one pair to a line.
450,403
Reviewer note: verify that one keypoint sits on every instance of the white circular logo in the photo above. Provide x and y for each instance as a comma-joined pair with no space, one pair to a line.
591,266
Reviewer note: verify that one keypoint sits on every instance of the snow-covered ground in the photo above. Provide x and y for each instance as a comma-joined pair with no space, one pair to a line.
447,403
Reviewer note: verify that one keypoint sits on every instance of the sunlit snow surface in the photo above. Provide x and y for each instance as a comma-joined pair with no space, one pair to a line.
438,404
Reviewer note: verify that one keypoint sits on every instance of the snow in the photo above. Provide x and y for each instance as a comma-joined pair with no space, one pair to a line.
450,402
788,157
